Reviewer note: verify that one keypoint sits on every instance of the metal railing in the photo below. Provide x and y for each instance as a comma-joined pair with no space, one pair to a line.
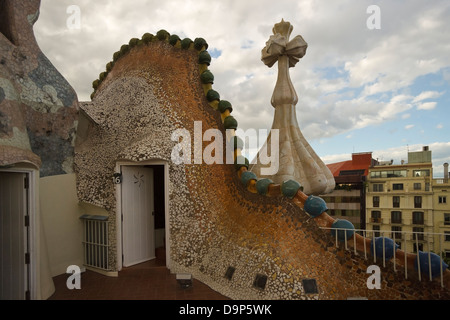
405,235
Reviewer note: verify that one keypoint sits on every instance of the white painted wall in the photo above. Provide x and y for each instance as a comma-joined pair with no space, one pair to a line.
60,211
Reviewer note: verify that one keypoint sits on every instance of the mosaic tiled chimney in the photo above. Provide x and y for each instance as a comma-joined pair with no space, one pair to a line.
297,159
38,107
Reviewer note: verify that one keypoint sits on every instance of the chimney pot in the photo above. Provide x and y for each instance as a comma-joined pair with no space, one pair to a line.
446,172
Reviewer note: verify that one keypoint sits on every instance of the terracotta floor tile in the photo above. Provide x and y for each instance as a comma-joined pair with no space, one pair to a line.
145,281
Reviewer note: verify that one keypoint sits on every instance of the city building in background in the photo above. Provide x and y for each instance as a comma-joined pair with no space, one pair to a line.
400,202
348,200
441,211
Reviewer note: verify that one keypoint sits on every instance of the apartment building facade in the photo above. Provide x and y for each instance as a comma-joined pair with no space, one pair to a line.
441,211
401,202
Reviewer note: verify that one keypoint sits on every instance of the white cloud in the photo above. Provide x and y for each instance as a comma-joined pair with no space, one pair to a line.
350,78
409,126
427,106
440,126
327,159
446,75
427,95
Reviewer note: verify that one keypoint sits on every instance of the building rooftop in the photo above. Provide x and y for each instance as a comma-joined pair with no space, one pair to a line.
359,165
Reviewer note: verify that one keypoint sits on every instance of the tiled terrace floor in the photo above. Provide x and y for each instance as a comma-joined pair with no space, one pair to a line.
145,281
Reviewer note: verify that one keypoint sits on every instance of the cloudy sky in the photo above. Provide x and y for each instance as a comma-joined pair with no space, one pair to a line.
364,85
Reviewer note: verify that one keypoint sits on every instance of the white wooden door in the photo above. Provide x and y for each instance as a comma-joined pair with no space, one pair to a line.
138,226
13,236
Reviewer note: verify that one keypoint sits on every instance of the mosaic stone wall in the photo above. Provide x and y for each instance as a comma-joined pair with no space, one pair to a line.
243,244
38,107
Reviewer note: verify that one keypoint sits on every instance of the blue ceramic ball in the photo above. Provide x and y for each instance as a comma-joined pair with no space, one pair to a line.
386,243
315,206
344,229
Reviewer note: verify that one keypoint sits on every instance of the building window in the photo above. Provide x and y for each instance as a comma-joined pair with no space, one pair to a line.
447,219
418,234
376,216
427,186
442,199
377,187
351,199
396,202
418,217
447,235
376,230
417,202
421,173
420,245
396,217
376,201
417,186
397,186
388,174
375,174
351,172
396,233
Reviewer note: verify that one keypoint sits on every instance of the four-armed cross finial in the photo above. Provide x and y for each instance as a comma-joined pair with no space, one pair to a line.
297,159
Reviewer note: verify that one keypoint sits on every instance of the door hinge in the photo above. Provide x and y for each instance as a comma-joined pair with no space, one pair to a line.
27,258
26,183
27,221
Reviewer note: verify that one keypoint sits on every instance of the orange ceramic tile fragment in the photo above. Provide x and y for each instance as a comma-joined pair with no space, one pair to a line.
274,190
207,87
241,170
252,186
324,220
202,67
300,199
225,114
214,104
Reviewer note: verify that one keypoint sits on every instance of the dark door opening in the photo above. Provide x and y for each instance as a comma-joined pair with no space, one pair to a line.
159,211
